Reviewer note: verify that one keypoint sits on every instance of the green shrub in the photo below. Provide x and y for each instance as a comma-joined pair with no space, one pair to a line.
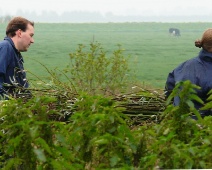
27,135
97,72
183,142
96,134
99,134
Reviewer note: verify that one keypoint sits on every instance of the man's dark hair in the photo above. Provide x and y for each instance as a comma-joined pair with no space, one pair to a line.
16,24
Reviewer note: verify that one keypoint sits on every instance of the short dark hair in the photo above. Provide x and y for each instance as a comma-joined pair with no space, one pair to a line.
17,23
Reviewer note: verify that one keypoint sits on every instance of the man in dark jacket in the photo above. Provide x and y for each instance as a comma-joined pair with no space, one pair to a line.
19,36
198,70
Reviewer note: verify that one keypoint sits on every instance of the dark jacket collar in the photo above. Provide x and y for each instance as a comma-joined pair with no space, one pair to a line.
205,55
13,45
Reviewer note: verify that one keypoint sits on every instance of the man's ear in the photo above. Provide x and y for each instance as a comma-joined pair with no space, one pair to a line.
19,32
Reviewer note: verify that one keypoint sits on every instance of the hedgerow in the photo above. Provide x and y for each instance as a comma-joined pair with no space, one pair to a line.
84,123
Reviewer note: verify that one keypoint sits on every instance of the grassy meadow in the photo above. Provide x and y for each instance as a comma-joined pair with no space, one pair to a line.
153,52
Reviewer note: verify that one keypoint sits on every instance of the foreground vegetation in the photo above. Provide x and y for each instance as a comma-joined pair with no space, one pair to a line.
99,136
78,124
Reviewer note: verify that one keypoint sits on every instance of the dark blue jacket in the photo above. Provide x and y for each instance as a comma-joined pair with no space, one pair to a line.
11,67
198,70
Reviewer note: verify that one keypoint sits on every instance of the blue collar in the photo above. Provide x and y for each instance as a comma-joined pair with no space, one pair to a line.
205,55
13,45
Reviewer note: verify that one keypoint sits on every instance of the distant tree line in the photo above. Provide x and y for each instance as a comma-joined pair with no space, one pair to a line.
88,16
5,19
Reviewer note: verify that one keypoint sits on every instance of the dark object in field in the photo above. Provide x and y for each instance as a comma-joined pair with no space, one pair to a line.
174,31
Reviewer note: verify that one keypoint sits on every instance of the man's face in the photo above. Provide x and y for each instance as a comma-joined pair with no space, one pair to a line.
26,38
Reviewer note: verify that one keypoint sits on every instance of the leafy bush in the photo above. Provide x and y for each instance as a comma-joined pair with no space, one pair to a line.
96,72
96,134
99,134
182,142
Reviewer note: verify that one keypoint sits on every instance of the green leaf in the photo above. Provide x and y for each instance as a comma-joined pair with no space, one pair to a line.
33,131
111,118
114,160
101,141
40,154
61,138
166,131
196,98
206,141
207,106
43,144
191,150
190,103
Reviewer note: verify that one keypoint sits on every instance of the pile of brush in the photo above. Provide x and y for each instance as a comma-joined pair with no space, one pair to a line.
140,105
144,105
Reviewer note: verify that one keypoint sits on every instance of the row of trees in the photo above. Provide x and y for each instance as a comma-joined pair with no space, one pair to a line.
88,16
5,19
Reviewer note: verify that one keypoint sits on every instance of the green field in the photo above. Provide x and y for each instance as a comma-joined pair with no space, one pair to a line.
153,52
